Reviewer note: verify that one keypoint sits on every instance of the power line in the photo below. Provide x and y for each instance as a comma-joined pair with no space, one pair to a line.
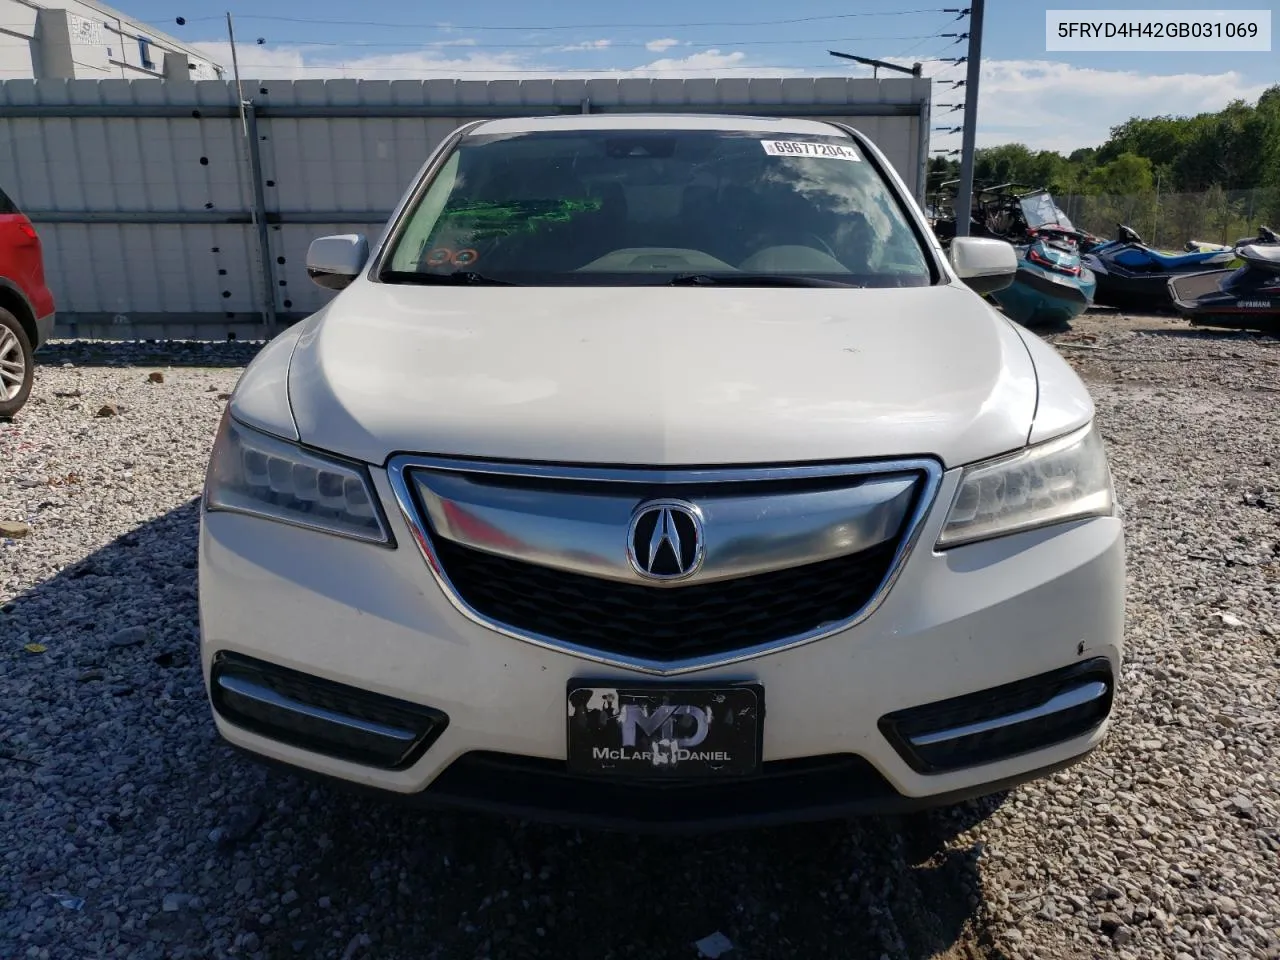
911,49
543,73
568,26
922,40
951,65
957,39
586,45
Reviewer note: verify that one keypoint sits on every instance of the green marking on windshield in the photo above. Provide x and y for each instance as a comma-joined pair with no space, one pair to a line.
487,219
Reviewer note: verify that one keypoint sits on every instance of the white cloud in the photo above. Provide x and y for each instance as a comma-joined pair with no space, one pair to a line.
661,46
702,63
307,63
705,63
585,45
1053,105
1042,103
430,62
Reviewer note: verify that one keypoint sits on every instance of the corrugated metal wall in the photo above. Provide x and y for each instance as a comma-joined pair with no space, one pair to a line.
144,191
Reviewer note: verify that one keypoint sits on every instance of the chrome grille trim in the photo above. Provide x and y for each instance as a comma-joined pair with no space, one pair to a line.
650,483
584,532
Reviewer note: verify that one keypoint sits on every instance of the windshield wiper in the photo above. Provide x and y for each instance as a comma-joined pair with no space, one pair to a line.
752,280
458,276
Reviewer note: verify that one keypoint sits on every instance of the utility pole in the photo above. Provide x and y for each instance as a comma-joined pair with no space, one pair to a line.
964,193
235,65
258,211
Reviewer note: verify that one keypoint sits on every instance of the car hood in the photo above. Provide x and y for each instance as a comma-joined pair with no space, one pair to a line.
661,376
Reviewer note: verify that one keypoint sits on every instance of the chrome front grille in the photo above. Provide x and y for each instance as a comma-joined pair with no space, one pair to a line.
542,553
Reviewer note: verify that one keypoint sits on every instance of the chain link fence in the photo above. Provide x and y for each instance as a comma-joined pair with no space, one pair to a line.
1169,220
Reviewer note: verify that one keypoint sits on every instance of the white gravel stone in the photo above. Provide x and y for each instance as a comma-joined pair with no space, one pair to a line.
115,788
1158,828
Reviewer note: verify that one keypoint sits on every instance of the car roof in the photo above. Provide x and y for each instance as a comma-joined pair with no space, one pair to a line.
785,126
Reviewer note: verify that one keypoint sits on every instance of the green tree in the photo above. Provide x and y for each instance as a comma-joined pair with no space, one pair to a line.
1265,130
1127,175
1200,162
1161,139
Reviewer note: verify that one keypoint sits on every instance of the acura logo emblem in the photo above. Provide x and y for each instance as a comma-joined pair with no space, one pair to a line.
664,541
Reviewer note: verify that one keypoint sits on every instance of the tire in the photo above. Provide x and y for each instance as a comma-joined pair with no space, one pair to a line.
17,365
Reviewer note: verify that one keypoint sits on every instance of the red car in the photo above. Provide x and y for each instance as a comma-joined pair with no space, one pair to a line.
26,305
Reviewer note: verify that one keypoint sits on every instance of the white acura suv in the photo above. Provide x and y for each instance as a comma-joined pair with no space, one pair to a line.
661,472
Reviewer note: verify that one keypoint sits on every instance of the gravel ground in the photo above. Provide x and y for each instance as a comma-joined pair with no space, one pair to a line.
128,829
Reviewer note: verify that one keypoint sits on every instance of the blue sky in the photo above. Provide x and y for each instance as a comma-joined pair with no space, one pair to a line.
1045,99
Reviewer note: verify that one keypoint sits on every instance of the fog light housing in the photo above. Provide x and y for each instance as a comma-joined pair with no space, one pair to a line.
320,715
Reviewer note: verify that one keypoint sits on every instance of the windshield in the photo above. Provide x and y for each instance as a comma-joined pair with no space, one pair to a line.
627,207
1041,211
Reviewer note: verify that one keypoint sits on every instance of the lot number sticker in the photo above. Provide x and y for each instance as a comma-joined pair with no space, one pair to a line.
798,148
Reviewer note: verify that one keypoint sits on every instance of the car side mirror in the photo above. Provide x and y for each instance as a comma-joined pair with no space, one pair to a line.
333,262
983,263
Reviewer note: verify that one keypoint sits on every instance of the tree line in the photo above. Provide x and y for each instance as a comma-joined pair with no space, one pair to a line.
1213,156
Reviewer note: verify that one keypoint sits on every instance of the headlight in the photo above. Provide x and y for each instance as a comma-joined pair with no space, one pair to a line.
1062,479
250,472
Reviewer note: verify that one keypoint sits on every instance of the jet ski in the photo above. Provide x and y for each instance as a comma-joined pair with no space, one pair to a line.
1246,298
1265,236
1204,246
1051,287
1089,242
1133,276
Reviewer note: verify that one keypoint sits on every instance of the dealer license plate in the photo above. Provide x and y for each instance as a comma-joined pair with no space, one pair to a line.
673,731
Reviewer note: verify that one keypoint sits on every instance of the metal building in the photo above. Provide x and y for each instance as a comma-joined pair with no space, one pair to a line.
162,218
84,39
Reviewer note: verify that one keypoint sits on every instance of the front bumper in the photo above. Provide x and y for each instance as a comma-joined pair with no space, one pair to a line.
788,792
955,623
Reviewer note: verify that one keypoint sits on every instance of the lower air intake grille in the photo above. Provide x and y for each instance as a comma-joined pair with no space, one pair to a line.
322,716
1005,721
664,624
